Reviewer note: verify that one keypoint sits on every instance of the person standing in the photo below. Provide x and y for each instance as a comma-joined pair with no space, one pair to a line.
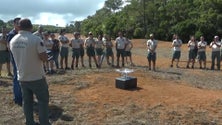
39,32
55,49
192,44
64,53
176,44
4,52
99,50
75,44
49,64
202,52
82,51
129,46
29,53
109,50
215,45
16,87
151,46
90,49
120,43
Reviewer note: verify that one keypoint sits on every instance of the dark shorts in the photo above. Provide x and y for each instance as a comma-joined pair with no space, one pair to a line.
176,54
99,51
82,52
151,56
4,56
64,52
120,52
192,54
109,52
202,56
75,53
128,53
90,51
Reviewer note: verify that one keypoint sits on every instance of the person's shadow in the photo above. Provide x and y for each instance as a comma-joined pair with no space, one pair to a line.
55,113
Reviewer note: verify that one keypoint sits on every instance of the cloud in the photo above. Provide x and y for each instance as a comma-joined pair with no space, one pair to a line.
49,11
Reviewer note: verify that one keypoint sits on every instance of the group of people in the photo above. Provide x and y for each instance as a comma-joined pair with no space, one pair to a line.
197,50
95,48
33,55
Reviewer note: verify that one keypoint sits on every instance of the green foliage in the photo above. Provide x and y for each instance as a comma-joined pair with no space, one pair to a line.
139,18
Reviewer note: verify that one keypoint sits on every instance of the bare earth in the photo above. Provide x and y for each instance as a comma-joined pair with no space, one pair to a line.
168,96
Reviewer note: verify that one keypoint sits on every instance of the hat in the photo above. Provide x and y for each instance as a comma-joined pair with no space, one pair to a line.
76,33
216,37
90,33
151,35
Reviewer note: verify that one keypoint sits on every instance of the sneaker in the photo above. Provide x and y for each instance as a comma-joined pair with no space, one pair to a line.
187,67
192,67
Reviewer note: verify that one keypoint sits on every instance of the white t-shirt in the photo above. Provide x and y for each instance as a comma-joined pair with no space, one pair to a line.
202,46
177,44
191,45
64,41
90,42
2,45
48,44
120,42
215,47
151,44
99,44
25,48
75,43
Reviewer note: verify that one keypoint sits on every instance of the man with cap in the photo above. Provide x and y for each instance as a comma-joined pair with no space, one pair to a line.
16,87
151,46
29,53
215,45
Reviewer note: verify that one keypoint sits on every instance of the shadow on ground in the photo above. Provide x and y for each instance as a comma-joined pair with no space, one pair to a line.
55,113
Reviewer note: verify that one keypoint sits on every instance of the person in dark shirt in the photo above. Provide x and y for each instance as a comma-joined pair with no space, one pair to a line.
55,49
16,87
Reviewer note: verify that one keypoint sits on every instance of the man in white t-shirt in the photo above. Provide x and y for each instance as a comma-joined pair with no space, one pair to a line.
202,52
215,45
120,43
151,47
64,52
176,44
29,53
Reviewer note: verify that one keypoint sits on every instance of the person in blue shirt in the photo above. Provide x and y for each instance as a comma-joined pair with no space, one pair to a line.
16,87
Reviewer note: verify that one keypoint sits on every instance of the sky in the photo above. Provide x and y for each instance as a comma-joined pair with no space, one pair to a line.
49,12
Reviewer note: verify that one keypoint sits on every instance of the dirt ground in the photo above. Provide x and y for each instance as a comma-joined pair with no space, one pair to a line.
167,96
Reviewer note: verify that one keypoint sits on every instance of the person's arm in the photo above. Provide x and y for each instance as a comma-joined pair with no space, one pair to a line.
211,44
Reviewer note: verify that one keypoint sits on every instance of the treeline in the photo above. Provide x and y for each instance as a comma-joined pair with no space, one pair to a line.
161,17
139,18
